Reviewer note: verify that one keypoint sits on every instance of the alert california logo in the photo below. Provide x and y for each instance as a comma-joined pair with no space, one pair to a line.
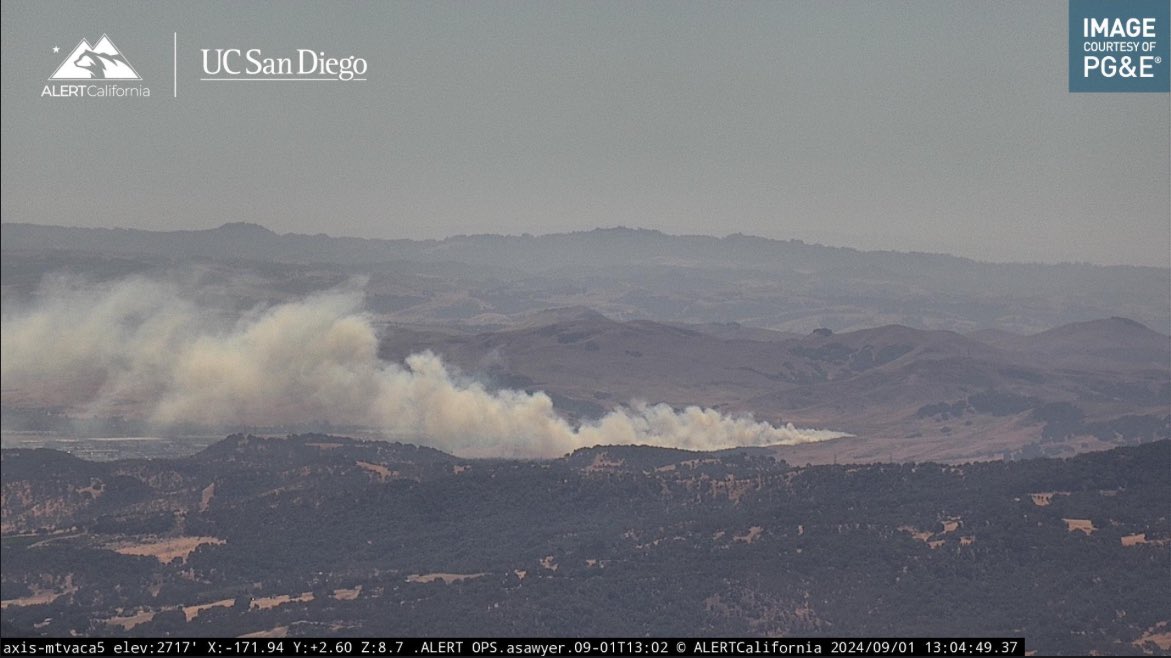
100,70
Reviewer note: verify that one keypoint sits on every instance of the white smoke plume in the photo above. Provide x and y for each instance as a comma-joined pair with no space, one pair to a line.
148,346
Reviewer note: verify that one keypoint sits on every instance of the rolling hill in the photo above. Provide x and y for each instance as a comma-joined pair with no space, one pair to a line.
904,393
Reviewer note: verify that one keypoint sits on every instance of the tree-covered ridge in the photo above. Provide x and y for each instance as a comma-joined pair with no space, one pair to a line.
318,535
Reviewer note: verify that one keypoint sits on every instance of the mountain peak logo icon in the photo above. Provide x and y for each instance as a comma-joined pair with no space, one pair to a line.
102,61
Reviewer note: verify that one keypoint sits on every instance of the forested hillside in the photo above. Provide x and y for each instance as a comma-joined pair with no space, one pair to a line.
316,535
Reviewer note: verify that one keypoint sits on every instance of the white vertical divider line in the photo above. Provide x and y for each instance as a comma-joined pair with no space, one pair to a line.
175,64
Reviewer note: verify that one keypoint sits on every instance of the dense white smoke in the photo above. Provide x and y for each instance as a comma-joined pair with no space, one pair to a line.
145,345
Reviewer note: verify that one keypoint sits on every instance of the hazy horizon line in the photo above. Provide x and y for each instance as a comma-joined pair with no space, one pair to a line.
618,227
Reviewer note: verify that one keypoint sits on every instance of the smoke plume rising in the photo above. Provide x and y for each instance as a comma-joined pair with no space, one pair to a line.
150,346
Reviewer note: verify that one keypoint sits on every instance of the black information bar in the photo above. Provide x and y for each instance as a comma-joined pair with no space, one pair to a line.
533,647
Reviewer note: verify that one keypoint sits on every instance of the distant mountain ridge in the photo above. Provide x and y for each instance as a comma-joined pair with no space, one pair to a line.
637,273
245,239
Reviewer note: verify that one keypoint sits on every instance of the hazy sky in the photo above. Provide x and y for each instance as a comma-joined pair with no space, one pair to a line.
935,125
